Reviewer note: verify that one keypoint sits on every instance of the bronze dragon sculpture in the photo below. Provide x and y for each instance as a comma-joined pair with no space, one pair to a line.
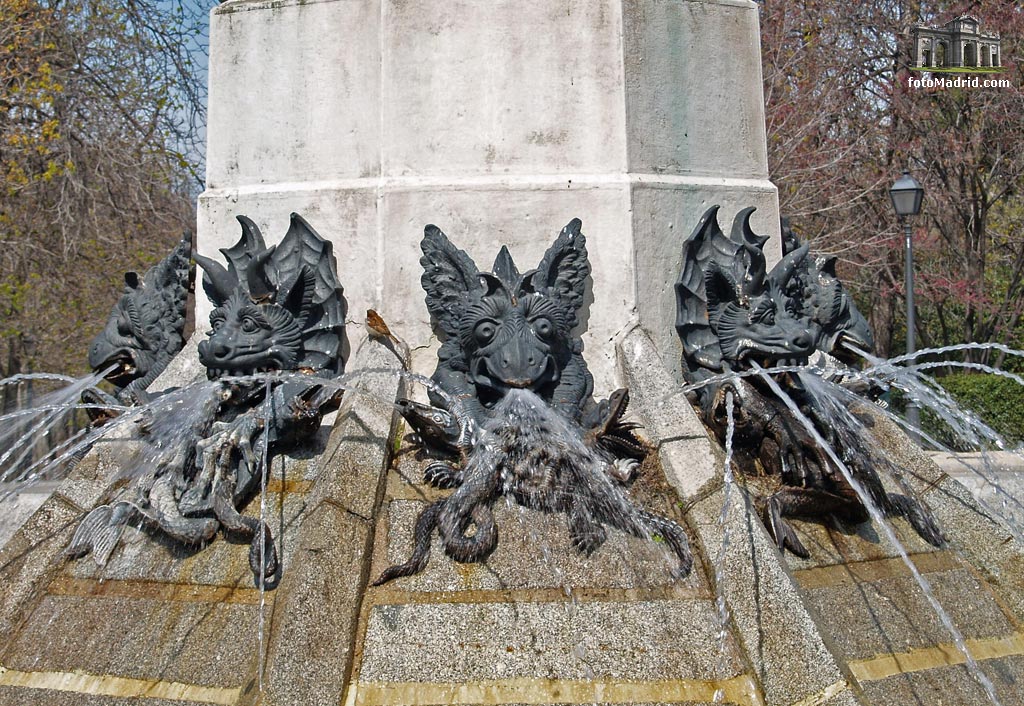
144,330
274,346
513,403
731,313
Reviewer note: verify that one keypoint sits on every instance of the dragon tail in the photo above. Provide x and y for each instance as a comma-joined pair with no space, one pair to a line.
425,525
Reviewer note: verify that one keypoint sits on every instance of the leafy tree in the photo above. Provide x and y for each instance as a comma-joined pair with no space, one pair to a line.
843,121
101,104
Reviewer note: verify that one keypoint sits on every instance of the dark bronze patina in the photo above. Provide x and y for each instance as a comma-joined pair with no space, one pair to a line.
731,313
279,312
144,330
509,350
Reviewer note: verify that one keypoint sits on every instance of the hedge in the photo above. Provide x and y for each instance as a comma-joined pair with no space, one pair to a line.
998,401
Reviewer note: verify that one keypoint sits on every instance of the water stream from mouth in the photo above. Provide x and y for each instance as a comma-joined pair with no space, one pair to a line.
879,520
268,417
721,608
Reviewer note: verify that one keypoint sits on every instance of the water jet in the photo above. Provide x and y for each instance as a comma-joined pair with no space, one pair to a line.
483,117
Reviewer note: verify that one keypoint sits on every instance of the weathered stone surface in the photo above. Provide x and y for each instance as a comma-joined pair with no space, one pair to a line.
534,551
11,696
358,448
16,509
185,369
691,462
138,638
892,615
951,686
92,477
779,636
982,538
654,392
317,607
468,642
31,557
316,611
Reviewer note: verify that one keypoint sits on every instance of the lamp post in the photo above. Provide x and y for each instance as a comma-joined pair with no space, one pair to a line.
906,195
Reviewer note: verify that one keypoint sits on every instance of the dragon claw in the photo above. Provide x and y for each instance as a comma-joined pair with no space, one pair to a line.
442,475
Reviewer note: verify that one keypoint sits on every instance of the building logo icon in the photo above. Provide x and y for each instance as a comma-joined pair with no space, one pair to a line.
958,46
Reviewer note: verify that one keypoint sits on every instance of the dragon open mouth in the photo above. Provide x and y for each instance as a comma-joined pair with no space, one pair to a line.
482,375
242,370
125,369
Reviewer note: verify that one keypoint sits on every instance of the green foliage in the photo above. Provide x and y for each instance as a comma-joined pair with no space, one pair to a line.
998,401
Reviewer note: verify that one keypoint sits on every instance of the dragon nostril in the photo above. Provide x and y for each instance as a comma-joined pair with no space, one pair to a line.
803,340
220,351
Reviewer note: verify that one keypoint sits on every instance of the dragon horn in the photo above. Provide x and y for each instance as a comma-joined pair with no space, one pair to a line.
785,268
260,287
493,284
217,281
753,246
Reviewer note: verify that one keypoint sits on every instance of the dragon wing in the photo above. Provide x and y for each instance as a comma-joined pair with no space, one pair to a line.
305,254
563,270
705,244
450,277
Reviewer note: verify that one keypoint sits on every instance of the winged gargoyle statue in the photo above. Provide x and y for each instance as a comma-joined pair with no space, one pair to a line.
514,403
144,330
274,345
732,311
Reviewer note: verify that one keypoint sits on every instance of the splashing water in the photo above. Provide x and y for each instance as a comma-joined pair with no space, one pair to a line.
25,427
879,520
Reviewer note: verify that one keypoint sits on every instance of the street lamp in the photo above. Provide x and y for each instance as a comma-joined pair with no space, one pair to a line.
906,195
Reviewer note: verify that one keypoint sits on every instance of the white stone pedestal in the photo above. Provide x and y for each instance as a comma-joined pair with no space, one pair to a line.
499,121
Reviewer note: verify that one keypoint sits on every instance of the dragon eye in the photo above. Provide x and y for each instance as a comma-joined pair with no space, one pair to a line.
216,322
543,327
250,325
485,331
124,326
764,313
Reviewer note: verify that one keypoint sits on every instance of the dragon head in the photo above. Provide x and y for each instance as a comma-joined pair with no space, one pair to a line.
144,330
506,330
731,311
766,326
249,337
842,331
277,308
513,341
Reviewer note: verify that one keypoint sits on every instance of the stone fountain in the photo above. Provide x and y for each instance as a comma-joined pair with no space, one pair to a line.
499,121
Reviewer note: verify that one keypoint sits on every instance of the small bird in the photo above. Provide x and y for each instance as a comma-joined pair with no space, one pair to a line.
377,328
379,331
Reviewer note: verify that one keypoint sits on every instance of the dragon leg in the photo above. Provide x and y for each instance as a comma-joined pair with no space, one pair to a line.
620,513
674,537
805,502
440,474
250,527
586,533
918,517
